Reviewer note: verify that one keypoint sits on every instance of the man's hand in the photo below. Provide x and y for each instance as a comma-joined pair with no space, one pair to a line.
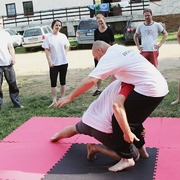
62,101
130,137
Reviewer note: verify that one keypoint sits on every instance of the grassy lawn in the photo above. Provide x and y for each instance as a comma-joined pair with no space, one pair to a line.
35,96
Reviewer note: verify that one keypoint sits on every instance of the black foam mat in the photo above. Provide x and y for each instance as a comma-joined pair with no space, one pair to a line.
75,166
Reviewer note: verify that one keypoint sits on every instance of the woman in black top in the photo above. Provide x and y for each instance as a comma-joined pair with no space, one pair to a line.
103,33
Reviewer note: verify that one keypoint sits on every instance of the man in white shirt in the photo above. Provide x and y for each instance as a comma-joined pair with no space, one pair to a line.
7,60
149,31
129,67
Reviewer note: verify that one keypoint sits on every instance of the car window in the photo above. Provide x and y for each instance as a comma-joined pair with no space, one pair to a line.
49,29
32,32
45,30
13,32
89,24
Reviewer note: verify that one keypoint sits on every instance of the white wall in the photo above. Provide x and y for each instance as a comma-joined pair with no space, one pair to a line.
165,7
40,5
162,7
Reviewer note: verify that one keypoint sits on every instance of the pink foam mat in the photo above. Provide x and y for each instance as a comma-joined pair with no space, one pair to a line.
27,153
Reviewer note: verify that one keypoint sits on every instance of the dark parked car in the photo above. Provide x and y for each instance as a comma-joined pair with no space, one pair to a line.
85,31
129,30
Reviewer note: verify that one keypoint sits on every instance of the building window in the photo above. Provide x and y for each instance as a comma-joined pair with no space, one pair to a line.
11,10
28,8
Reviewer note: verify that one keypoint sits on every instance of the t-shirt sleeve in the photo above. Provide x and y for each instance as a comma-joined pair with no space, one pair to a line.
67,44
45,43
126,89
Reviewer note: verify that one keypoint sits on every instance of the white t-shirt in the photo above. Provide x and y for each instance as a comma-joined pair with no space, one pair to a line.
149,35
56,45
5,56
99,113
132,68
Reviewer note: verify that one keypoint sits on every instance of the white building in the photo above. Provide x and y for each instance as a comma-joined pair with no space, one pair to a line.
27,10
21,6
11,7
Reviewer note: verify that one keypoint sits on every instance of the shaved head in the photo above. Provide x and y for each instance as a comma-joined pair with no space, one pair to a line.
99,48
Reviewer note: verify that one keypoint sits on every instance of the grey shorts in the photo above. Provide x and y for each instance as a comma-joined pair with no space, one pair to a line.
105,138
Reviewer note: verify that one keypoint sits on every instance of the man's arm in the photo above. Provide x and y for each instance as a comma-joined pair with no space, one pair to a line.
165,34
85,85
12,52
136,41
120,113
178,35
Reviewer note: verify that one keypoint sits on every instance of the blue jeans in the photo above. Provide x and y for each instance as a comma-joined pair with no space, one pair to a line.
9,74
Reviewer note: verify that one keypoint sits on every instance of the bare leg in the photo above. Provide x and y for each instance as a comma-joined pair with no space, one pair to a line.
143,152
178,98
53,95
62,90
94,148
99,84
122,164
67,132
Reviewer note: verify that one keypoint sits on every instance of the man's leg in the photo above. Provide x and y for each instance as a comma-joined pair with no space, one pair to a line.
10,77
138,108
1,92
67,132
178,98
92,149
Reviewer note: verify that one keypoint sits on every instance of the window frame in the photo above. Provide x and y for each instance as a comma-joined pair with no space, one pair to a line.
28,8
10,8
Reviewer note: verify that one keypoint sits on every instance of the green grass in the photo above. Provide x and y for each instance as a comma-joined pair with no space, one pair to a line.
172,36
35,96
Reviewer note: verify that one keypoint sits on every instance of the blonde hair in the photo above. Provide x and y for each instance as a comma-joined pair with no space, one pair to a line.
100,16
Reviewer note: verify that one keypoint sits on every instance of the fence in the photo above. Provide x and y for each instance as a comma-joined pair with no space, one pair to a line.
66,14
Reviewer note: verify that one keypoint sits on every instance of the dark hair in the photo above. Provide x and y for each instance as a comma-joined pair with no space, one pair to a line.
147,10
54,21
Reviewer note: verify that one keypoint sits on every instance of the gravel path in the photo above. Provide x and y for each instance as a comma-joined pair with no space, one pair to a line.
35,63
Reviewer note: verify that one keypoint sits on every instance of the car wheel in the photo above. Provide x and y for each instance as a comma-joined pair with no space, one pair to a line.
79,46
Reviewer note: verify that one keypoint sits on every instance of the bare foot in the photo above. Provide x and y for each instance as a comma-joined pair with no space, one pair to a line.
55,137
122,164
175,102
91,152
143,152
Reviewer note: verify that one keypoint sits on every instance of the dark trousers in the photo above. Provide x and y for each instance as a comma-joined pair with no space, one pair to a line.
9,74
138,107
62,71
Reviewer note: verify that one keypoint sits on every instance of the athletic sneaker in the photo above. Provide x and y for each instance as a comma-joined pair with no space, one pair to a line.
96,93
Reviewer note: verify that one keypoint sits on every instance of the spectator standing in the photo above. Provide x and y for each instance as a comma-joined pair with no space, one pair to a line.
178,98
149,31
7,61
56,46
103,33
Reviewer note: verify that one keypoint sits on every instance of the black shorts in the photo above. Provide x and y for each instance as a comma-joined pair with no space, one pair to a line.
105,138
62,71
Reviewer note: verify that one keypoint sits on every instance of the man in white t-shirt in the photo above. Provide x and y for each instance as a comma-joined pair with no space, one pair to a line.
129,67
7,61
149,31
97,122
